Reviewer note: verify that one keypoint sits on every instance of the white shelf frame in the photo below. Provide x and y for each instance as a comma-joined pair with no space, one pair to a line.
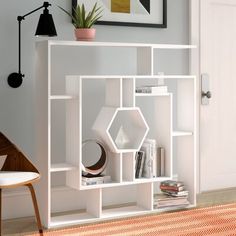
181,133
145,71
61,167
61,97
115,44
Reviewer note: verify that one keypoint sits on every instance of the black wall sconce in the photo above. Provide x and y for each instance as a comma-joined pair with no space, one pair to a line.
45,27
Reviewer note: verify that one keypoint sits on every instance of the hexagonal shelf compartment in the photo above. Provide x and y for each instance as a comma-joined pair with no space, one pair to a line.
121,129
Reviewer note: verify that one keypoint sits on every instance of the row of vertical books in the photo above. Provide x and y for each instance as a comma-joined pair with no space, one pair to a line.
150,160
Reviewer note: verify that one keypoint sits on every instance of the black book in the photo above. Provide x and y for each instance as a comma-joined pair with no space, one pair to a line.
140,156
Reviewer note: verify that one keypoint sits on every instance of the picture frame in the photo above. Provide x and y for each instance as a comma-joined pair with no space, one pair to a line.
138,13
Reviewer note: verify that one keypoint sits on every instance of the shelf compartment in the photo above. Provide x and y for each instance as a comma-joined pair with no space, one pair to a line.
80,206
128,92
60,167
113,169
185,161
158,114
71,219
64,139
113,92
128,173
123,211
131,202
122,129
65,178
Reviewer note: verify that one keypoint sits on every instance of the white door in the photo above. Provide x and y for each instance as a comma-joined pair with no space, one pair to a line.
218,119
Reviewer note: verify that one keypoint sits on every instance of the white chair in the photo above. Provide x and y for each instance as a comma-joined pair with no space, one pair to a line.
17,171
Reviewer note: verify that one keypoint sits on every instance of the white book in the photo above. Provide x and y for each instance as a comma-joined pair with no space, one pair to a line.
148,163
160,161
153,155
152,89
103,178
92,182
162,152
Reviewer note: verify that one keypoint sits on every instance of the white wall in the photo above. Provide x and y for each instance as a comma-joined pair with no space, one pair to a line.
17,116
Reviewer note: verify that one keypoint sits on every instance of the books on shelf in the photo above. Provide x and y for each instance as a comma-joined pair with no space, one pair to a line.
139,162
176,194
172,183
163,200
150,150
173,194
171,188
161,161
102,179
150,163
153,89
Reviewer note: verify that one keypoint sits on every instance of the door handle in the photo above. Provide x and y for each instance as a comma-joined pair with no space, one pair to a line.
207,94
205,88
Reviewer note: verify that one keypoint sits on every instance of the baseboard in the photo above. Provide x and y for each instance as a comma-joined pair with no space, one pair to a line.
17,203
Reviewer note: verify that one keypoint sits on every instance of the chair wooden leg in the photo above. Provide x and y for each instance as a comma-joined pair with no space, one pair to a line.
0,211
30,186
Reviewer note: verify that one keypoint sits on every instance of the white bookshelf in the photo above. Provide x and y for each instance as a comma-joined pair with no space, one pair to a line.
73,107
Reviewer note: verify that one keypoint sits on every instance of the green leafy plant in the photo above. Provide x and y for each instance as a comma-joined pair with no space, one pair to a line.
81,19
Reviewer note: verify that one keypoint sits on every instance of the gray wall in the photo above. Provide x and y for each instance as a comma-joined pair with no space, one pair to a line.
17,116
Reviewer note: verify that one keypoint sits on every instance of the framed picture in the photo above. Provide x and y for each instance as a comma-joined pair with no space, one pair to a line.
142,13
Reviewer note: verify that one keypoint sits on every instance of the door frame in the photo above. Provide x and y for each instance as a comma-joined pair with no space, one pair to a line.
195,69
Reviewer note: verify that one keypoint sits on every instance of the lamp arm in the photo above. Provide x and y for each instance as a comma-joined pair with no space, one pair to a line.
45,5
19,48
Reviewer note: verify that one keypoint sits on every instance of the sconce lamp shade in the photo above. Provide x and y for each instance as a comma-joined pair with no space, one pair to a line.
46,25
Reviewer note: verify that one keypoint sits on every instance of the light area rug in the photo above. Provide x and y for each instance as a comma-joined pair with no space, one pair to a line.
215,220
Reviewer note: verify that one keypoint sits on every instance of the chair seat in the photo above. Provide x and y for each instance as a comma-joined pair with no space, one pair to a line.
10,178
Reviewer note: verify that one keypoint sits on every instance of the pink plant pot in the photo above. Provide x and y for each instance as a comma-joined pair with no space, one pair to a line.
87,34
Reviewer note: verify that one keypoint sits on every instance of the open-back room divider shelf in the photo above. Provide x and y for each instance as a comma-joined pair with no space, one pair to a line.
80,97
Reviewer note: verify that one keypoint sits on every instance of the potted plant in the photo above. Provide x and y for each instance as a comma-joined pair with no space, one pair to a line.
84,21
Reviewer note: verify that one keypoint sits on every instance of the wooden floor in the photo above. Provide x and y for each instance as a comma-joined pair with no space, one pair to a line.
24,226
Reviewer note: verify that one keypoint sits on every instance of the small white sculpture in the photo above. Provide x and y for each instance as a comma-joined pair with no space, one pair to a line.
122,138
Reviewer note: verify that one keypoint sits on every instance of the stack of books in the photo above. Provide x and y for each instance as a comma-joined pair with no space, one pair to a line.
102,179
153,89
173,188
173,194
162,200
